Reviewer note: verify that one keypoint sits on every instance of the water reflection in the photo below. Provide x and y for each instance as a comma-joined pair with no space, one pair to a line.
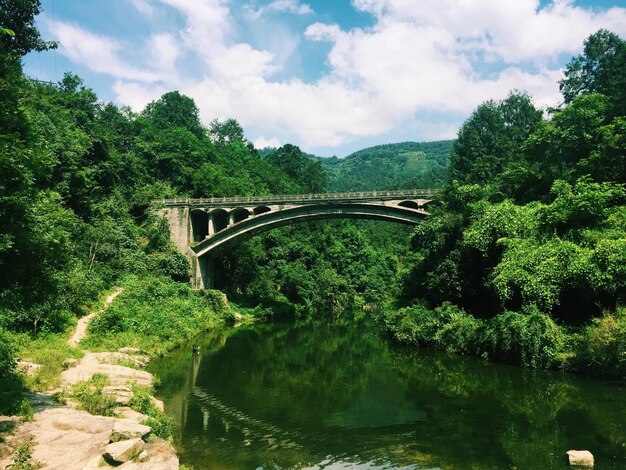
338,396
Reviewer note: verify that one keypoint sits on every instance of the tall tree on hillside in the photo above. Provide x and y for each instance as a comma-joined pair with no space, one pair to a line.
601,68
175,110
490,140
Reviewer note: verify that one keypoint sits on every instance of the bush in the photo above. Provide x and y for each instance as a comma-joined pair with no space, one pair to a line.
531,340
601,348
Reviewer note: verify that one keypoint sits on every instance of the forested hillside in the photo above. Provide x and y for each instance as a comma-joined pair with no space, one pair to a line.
390,166
525,260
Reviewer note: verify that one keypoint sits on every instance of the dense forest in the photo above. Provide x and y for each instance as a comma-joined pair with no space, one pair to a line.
523,259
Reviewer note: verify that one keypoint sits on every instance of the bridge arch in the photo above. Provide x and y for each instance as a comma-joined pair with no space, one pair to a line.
239,214
199,224
261,210
247,228
219,220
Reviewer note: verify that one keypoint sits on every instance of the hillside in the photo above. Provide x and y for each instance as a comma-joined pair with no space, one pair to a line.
389,166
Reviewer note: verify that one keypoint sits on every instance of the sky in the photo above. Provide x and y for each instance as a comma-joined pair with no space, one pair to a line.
331,76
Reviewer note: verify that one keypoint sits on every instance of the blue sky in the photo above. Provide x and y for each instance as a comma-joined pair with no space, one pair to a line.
331,76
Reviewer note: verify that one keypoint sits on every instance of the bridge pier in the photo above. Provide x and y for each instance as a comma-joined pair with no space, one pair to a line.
203,276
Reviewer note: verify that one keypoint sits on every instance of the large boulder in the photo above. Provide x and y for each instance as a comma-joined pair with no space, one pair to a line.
123,451
125,429
580,458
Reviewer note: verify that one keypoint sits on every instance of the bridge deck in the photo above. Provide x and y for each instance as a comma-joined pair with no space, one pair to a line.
299,198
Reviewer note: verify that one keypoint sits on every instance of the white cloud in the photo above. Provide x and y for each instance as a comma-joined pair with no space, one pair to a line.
262,143
411,63
99,53
285,6
143,7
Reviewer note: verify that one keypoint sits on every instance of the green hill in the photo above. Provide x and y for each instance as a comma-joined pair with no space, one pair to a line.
390,166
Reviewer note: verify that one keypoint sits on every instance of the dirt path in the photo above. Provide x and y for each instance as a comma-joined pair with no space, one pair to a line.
83,323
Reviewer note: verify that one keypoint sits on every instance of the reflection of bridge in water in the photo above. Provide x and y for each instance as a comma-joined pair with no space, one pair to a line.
202,228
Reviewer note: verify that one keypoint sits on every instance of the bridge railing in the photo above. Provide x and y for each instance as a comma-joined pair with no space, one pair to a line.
301,198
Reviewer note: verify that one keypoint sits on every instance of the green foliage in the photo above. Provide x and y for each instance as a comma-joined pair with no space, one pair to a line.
305,171
489,141
532,340
391,166
601,68
17,23
601,347
142,402
23,459
91,398
155,314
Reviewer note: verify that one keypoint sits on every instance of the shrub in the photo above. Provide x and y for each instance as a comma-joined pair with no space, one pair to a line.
531,340
602,345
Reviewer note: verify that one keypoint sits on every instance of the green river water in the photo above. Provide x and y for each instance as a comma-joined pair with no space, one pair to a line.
339,396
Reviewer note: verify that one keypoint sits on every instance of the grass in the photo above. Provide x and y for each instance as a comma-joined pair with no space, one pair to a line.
92,399
50,351
143,402
156,315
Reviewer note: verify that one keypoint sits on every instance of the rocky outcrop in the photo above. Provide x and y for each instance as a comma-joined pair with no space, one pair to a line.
580,458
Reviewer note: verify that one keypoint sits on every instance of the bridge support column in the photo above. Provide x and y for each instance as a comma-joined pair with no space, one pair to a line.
203,272
231,218
211,225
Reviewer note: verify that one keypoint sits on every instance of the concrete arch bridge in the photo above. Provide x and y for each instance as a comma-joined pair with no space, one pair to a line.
203,228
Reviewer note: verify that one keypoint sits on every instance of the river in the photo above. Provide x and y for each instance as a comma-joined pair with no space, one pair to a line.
342,397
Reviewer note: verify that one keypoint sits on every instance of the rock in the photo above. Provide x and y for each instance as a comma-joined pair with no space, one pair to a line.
70,362
580,458
123,451
125,429
92,363
129,413
28,368
130,350
143,456
158,404
122,394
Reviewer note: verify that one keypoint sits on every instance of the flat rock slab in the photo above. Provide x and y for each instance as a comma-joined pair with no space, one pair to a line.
125,429
62,435
580,458
123,395
29,368
93,363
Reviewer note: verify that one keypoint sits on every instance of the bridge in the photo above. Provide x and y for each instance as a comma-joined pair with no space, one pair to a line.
203,228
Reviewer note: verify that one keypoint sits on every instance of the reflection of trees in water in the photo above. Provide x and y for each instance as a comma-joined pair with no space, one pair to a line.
272,389
529,417
284,362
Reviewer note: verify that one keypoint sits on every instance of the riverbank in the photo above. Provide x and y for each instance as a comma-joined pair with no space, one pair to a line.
91,398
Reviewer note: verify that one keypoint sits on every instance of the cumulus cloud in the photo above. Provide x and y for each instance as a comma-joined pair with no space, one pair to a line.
445,57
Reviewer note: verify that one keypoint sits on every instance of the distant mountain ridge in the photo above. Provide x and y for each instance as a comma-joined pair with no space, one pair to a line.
390,166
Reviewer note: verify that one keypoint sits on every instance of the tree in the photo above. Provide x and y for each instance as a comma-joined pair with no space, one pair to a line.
175,110
18,34
307,172
225,132
601,67
490,140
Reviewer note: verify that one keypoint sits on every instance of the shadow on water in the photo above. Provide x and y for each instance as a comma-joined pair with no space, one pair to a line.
338,396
